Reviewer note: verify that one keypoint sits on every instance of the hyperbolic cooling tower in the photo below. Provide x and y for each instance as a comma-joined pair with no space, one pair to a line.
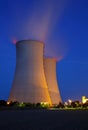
29,83
50,74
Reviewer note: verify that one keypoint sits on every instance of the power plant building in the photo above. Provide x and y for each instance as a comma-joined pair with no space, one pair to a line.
29,83
32,81
50,74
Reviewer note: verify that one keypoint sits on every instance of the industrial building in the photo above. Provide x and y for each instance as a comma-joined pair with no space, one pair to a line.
31,82
50,74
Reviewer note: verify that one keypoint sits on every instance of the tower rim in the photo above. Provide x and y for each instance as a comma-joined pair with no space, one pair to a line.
29,41
50,58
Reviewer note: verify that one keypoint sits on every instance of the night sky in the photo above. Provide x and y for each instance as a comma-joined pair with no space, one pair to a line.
62,25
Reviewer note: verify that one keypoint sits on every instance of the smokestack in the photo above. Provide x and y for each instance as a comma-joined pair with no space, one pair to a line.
50,74
29,83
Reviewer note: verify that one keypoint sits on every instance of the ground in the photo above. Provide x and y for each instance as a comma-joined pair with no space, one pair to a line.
43,119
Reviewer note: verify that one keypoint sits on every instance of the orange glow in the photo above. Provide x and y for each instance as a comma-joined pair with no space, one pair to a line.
8,103
58,58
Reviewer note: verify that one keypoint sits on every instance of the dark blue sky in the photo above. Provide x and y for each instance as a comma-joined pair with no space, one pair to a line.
62,25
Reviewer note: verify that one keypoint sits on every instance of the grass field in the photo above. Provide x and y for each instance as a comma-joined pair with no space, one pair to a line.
43,119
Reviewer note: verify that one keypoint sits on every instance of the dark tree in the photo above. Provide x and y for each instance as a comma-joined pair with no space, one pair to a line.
3,103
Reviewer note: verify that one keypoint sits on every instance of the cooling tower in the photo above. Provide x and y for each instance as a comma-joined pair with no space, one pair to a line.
50,73
29,83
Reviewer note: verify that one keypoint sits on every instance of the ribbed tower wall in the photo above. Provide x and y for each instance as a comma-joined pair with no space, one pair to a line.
50,74
29,83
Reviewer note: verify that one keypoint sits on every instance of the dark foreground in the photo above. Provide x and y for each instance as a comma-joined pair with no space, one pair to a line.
43,119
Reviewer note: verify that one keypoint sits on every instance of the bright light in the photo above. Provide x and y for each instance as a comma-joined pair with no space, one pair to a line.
70,101
65,103
8,103
84,99
44,104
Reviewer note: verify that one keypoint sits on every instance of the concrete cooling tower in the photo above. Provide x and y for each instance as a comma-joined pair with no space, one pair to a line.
29,83
50,74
